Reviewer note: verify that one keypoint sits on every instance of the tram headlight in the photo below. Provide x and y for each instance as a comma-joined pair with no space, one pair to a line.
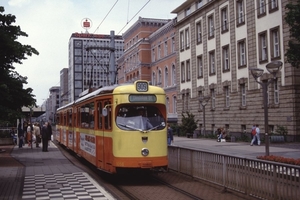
145,152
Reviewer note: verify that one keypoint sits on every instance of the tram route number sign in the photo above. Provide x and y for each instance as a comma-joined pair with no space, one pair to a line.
142,98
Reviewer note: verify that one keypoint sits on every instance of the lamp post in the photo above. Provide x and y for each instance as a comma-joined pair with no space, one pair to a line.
204,101
272,67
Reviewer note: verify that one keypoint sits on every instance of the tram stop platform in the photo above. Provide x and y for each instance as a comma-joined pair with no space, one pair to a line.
28,173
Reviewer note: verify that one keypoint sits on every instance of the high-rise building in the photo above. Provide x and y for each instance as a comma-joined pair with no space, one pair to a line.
91,61
63,87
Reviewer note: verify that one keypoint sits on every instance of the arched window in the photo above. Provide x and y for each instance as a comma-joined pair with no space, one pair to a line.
166,78
153,78
168,105
159,77
174,104
173,75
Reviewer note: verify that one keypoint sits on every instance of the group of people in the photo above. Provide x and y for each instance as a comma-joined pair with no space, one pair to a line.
33,134
255,132
221,134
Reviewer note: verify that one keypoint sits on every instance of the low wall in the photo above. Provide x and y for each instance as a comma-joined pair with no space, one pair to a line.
6,141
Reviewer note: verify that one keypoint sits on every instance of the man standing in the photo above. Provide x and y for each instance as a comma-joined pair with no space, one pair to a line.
45,137
170,135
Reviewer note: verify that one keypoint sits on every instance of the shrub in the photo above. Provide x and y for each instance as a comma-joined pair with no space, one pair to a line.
280,159
189,124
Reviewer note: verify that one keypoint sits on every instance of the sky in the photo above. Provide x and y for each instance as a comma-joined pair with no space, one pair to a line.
50,23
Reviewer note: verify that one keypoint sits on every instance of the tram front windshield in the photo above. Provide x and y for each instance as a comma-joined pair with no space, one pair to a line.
140,118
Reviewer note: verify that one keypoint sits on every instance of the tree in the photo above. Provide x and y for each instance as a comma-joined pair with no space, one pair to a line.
189,124
292,18
13,95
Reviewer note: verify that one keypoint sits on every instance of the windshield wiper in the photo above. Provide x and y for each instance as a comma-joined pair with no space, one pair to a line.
162,124
131,127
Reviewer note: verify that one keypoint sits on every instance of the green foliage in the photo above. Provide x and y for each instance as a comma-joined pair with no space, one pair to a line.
13,95
189,124
281,130
292,18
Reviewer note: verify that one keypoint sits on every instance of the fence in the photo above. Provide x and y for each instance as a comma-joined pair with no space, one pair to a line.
258,178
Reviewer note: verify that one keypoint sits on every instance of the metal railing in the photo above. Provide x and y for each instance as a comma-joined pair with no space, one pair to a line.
253,177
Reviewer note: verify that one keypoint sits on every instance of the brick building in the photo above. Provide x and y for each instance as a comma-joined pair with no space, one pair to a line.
149,54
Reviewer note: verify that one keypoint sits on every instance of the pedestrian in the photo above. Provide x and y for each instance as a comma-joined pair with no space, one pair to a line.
37,132
49,132
29,134
13,135
170,135
253,133
20,135
45,137
222,134
256,136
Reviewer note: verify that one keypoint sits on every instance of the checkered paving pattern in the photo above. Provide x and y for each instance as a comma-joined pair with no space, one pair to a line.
63,186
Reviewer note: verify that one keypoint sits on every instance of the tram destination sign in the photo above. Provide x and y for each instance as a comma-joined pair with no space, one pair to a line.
142,98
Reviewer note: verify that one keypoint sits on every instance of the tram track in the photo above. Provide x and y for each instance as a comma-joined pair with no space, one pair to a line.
157,185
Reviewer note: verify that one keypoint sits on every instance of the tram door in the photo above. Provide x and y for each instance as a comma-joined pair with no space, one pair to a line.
71,129
100,136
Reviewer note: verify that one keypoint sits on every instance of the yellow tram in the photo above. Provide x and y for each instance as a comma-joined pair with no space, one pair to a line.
117,127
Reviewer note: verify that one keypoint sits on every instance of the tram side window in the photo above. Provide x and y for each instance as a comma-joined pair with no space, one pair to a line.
58,119
70,117
100,115
107,119
87,115
65,119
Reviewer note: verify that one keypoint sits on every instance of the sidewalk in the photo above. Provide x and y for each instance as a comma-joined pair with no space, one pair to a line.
32,174
241,149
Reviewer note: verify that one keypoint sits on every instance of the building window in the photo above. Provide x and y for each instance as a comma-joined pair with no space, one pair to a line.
173,44
240,12
276,92
200,66
153,55
168,104
261,10
182,72
213,98
187,38
224,18
153,78
174,75
199,32
181,41
273,5
275,43
200,95
227,96
188,71
174,104
166,79
166,48
243,94
187,11
210,27
263,47
159,52
199,4
212,63
242,53
225,58
159,77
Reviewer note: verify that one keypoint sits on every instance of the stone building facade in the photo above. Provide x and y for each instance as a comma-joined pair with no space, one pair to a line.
217,42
